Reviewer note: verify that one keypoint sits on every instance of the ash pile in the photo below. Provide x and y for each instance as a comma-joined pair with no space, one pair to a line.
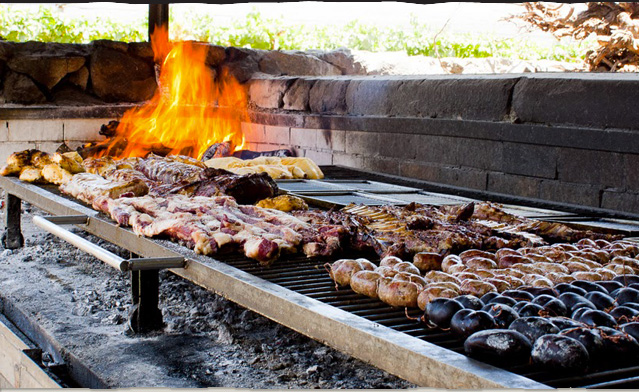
82,305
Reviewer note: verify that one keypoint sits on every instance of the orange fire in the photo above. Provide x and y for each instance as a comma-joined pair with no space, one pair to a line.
190,110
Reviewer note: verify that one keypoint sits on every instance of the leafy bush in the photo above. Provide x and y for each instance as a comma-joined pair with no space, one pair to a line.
257,32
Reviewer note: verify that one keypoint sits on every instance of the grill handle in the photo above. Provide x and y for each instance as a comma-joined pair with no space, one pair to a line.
52,224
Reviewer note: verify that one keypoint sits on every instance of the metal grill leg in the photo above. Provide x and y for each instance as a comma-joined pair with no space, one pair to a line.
12,237
145,315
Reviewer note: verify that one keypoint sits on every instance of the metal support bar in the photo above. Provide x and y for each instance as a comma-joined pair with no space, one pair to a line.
12,237
145,315
158,16
51,224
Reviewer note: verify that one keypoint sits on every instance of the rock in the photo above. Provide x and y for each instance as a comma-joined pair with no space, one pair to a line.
297,96
119,77
268,93
141,49
295,64
73,96
19,88
241,64
343,59
115,45
46,69
80,77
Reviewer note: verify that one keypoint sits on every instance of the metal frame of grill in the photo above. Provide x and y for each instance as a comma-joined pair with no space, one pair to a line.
298,294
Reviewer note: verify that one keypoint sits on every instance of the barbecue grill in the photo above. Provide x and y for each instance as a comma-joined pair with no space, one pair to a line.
298,293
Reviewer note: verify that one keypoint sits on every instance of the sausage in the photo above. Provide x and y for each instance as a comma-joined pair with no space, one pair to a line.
449,261
566,247
512,272
406,266
559,277
506,251
528,268
467,275
471,253
553,267
620,269
365,282
535,257
507,260
367,264
448,285
432,292
389,261
386,271
480,262
456,269
514,282
421,282
476,287
574,266
586,243
439,276
428,261
342,270
587,275
606,274
625,260
397,293
500,285
482,273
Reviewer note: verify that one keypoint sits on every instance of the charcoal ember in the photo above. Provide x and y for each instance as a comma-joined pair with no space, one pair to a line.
109,129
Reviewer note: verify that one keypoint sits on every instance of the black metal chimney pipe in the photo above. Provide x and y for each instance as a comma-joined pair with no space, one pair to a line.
158,16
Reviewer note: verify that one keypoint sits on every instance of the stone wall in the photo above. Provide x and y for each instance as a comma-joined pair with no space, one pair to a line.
568,138
563,137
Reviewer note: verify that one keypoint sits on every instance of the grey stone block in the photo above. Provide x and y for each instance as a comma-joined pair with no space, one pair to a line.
593,100
398,145
380,164
276,62
564,192
462,97
631,172
479,154
348,160
530,160
620,201
327,96
599,168
448,175
268,93
297,96
514,185
280,135
305,138
363,143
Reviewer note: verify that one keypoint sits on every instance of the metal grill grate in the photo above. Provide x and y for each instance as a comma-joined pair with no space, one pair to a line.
310,278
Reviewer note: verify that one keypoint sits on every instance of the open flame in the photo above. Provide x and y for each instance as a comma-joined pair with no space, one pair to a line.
190,111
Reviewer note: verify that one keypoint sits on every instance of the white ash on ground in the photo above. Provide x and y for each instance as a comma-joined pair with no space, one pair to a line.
208,341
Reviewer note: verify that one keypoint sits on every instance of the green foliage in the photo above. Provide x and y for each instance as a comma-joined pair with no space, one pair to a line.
47,25
255,31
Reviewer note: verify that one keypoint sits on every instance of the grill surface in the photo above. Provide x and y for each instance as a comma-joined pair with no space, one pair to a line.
310,279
